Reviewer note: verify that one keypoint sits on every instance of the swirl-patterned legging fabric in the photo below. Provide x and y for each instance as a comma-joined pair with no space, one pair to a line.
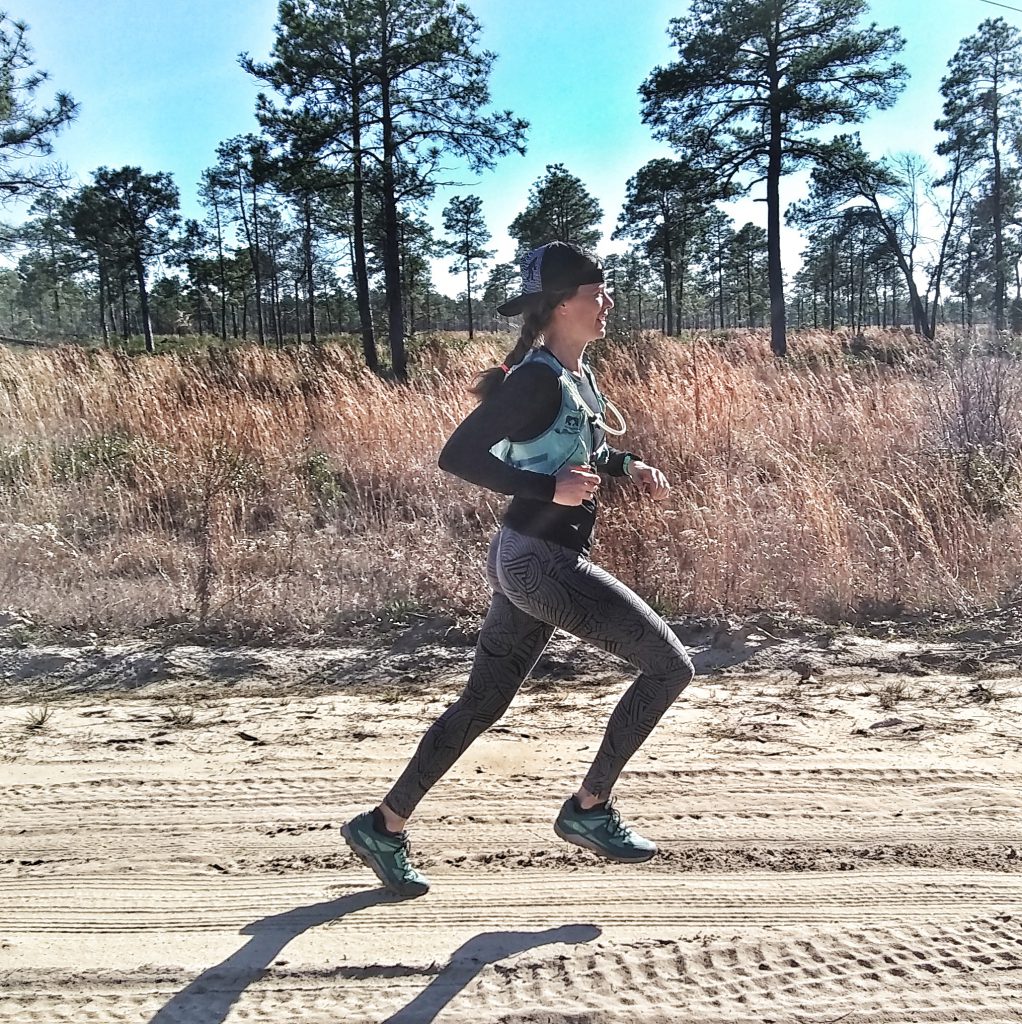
537,587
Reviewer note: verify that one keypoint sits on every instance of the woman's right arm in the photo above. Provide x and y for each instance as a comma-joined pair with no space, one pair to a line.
523,406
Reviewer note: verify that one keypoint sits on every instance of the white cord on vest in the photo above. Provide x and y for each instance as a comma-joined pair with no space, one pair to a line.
611,407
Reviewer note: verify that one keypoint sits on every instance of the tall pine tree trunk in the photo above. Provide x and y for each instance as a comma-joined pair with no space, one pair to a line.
748,287
276,314
143,302
252,241
122,284
221,270
391,240
310,286
1000,277
720,279
832,283
359,268
56,285
668,268
103,289
775,273
392,267
682,265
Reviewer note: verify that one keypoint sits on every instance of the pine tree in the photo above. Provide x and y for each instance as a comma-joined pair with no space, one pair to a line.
48,236
500,286
886,199
213,196
463,221
241,172
399,83
128,216
983,118
25,130
754,80
666,204
746,266
560,209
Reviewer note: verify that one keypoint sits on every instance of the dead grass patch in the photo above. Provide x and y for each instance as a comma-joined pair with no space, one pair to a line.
282,492
891,694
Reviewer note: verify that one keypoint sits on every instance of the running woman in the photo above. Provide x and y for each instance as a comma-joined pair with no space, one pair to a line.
539,435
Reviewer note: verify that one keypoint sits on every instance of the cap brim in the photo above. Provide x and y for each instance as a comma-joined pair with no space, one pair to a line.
512,307
520,304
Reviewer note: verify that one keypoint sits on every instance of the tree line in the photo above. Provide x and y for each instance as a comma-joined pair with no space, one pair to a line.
315,224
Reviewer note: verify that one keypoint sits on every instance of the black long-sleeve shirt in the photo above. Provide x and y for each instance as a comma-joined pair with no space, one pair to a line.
521,408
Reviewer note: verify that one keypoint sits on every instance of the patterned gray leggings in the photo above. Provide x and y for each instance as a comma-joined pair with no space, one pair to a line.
537,587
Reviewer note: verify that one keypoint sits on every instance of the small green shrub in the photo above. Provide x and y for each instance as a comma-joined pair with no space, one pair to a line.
327,487
85,457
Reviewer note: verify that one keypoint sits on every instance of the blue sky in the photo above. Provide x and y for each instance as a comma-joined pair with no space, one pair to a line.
159,86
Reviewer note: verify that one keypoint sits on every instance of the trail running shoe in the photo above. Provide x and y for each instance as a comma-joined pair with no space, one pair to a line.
602,831
387,856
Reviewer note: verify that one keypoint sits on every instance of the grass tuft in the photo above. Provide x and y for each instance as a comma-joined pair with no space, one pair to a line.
891,694
38,717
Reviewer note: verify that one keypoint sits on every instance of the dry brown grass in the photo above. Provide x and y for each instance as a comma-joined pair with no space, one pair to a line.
294,491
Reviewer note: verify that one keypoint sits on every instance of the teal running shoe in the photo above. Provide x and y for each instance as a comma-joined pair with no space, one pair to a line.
386,855
602,831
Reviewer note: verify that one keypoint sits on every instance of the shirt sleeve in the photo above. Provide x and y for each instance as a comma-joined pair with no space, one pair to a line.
522,407
615,464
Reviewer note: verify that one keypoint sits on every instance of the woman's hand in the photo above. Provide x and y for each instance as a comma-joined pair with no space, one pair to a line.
575,484
650,479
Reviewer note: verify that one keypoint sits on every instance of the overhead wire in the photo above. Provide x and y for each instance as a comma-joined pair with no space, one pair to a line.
1007,7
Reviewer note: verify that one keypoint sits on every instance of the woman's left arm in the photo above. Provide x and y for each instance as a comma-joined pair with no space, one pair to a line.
650,479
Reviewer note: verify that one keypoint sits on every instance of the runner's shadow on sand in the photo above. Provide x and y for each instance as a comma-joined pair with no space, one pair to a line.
480,951
209,998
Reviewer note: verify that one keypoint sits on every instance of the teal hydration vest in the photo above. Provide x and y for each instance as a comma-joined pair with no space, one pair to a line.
571,438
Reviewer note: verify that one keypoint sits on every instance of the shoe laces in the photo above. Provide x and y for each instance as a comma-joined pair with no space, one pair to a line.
615,826
403,852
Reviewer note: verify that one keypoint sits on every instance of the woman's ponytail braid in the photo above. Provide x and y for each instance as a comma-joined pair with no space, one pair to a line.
533,325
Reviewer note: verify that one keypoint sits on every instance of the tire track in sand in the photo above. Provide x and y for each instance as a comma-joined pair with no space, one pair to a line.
968,972
176,887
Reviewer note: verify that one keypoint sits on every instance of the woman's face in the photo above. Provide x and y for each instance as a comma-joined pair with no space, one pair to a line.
584,315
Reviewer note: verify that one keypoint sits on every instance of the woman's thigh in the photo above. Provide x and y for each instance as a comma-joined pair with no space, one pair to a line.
561,587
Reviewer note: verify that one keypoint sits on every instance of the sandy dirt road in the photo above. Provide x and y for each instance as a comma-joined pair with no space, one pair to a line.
169,853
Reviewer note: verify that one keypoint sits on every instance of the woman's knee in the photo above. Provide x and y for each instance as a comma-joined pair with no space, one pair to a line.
467,718
683,672
673,669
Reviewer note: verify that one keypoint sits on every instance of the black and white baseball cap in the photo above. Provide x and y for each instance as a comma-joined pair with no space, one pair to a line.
554,267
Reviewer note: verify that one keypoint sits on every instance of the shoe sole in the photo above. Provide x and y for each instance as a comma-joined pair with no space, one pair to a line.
576,840
370,862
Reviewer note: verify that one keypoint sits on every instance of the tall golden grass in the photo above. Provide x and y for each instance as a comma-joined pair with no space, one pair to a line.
293,492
